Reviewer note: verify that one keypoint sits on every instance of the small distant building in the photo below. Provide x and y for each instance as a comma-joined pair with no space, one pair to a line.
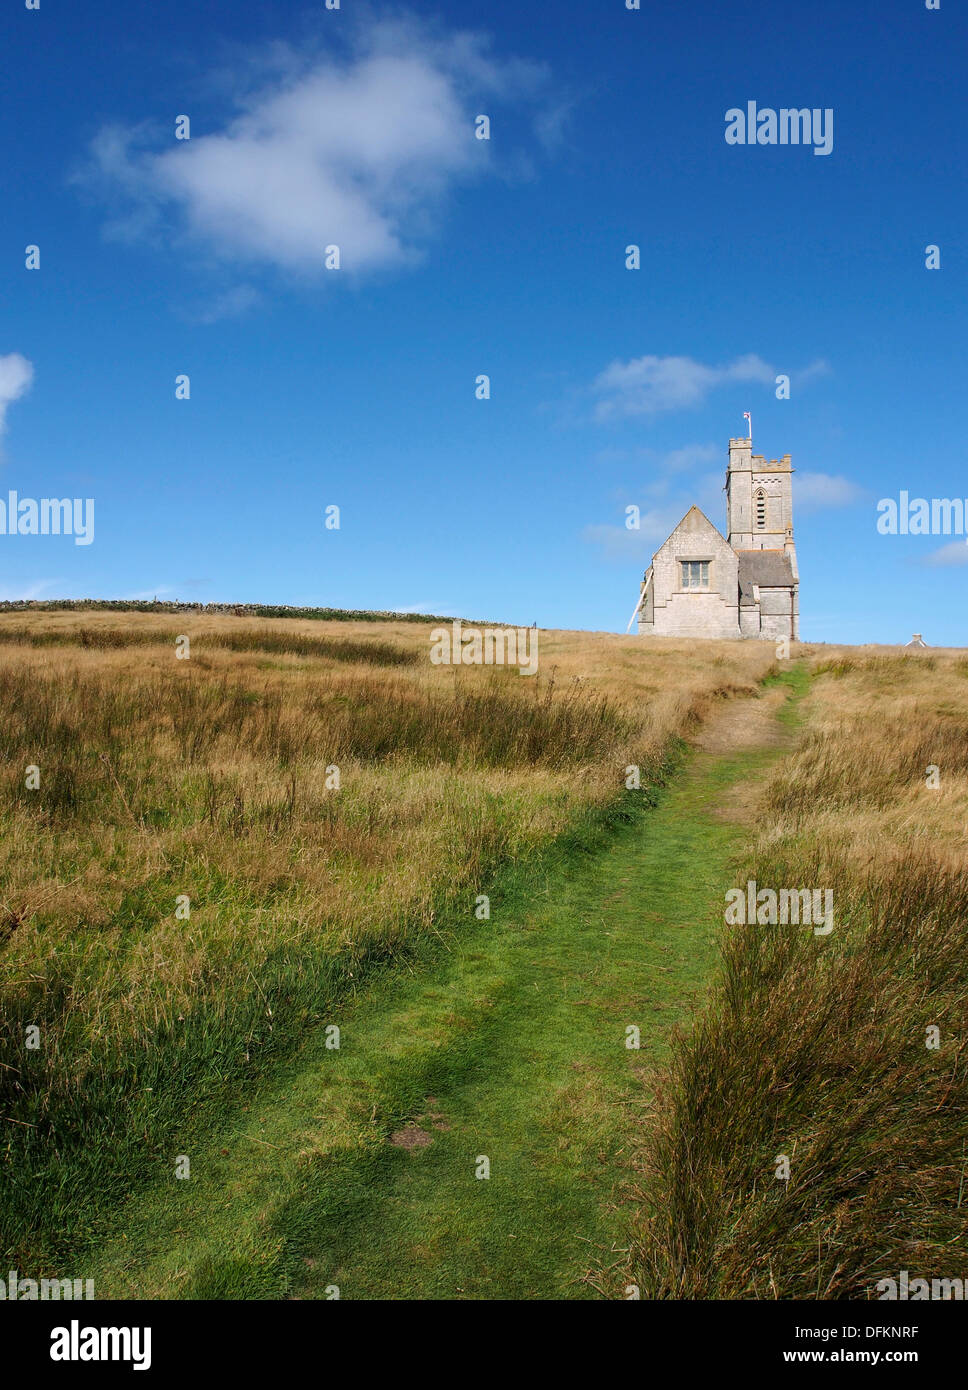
746,585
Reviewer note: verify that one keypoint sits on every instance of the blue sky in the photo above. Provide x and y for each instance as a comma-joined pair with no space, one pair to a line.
355,387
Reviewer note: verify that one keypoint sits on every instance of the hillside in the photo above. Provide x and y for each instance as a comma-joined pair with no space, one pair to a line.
211,862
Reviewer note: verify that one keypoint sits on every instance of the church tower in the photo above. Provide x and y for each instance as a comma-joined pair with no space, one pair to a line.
759,501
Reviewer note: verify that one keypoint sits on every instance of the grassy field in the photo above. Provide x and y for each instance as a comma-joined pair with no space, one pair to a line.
188,895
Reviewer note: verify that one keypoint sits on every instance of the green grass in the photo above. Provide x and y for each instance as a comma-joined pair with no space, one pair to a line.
796,680
509,1032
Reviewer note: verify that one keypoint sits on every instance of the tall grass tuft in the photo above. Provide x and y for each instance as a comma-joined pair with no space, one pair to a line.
285,643
817,1048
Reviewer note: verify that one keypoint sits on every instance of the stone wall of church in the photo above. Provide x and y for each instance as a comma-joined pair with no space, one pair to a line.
684,613
778,612
749,622
694,615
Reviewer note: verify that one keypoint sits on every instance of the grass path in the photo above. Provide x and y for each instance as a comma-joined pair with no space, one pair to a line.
510,1045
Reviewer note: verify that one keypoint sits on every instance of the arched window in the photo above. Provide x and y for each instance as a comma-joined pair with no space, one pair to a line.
760,501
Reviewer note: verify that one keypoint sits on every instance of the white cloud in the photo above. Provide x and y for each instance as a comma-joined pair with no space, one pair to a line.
358,151
955,553
814,491
649,385
16,375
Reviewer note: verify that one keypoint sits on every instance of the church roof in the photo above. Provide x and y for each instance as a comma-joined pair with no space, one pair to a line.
771,569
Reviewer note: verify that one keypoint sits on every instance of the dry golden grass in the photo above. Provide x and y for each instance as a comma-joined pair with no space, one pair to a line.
877,721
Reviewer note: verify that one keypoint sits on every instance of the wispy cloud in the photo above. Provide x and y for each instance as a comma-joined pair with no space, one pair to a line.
955,553
16,375
691,457
805,375
812,492
650,385
685,459
231,304
32,591
620,543
358,151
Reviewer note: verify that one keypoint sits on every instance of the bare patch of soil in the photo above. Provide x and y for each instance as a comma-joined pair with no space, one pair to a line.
740,725
411,1137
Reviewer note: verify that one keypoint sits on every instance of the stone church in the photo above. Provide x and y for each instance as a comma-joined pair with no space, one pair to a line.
699,585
